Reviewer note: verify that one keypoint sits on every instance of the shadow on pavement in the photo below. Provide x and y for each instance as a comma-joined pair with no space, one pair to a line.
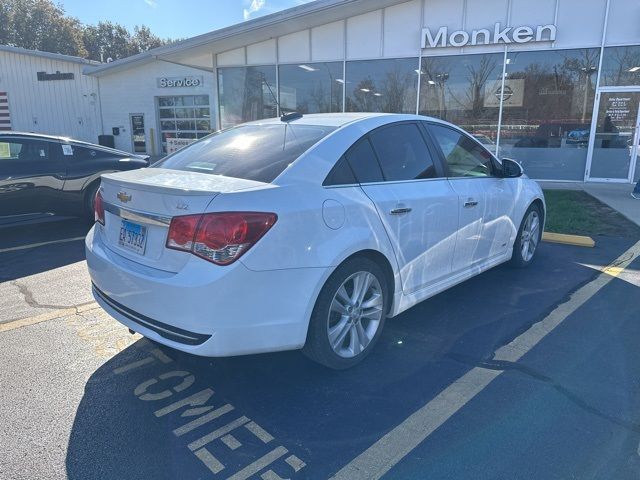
153,412
68,247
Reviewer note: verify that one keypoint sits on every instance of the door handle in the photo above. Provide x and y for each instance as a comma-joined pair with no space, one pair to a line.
470,203
400,211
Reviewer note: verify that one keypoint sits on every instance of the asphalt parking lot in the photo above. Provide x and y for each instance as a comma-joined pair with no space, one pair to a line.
515,374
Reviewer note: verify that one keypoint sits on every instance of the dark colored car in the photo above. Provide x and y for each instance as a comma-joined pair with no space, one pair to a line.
43,173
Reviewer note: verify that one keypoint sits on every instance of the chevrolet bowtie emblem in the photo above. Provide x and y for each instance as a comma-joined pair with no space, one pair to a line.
123,197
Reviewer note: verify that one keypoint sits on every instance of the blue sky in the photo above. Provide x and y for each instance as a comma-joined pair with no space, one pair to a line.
174,18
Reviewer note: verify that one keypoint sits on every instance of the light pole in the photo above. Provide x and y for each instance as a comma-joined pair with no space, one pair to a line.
441,79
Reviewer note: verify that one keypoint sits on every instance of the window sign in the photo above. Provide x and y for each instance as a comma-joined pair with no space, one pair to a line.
137,132
512,95
175,144
618,108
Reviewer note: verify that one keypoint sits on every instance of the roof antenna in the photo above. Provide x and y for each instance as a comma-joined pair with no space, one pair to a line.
285,117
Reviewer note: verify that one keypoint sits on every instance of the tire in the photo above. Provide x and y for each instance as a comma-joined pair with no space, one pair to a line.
89,201
528,239
359,324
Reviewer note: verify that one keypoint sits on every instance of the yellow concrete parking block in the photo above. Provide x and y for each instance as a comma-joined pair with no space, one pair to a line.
577,240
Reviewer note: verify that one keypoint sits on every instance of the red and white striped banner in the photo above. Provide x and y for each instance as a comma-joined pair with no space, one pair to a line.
5,115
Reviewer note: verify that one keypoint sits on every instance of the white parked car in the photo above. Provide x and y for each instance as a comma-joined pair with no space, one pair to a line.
305,232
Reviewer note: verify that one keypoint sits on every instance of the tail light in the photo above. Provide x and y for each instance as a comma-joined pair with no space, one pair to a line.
98,207
221,237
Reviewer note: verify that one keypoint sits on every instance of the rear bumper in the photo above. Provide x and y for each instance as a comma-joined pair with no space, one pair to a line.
206,309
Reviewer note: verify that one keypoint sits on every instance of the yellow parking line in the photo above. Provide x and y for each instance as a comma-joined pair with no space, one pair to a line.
578,240
64,312
35,245
396,444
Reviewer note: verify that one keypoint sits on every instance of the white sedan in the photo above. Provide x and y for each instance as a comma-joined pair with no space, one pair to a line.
305,232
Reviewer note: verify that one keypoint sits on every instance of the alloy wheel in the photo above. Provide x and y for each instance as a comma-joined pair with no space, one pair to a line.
355,314
530,236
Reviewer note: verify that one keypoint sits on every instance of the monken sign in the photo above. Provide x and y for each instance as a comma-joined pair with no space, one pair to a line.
484,36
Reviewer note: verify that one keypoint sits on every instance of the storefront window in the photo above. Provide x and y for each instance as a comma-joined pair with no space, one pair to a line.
547,107
621,66
464,90
311,87
382,85
184,117
246,93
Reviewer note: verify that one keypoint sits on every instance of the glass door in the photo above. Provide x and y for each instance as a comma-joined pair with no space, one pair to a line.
614,143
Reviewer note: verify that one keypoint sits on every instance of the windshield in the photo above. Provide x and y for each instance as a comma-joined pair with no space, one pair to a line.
252,152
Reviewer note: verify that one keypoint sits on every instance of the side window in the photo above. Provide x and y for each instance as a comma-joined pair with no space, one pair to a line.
23,149
83,153
363,162
464,157
340,174
403,153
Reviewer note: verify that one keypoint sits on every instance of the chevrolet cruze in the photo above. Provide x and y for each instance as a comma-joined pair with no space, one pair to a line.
305,232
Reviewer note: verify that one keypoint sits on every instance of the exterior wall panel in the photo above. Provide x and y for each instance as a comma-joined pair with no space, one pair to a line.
261,53
232,57
364,35
402,29
580,23
294,47
57,107
526,12
327,42
624,22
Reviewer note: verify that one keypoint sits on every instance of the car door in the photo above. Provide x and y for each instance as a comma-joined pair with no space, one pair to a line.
485,201
400,173
29,177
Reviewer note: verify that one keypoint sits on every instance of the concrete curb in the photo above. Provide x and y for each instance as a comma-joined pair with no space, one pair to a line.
577,240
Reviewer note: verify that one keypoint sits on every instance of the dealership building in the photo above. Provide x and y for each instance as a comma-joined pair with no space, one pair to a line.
554,84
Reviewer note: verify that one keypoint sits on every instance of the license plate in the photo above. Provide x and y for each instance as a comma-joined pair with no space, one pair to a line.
133,237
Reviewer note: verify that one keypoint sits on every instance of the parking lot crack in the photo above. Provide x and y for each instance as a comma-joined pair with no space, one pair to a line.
31,301
504,365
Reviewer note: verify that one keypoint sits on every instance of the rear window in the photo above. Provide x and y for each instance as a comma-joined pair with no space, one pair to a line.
251,152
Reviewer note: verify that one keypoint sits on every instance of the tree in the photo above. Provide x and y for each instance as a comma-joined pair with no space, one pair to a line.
108,40
43,25
40,25
144,40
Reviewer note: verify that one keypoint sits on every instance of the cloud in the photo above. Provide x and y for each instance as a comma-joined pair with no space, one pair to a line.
256,6
151,3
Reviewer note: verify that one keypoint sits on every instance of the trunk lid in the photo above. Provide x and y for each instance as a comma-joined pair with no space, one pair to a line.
139,205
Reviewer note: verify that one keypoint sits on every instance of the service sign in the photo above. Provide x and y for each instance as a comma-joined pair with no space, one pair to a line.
185,81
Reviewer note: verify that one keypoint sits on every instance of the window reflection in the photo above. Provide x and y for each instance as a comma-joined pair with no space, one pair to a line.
621,66
311,87
246,93
382,85
464,90
547,107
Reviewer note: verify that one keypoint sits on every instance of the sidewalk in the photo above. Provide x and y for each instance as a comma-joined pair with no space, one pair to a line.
616,195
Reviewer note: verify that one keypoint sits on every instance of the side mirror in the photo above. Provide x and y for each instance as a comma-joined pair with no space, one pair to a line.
511,168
